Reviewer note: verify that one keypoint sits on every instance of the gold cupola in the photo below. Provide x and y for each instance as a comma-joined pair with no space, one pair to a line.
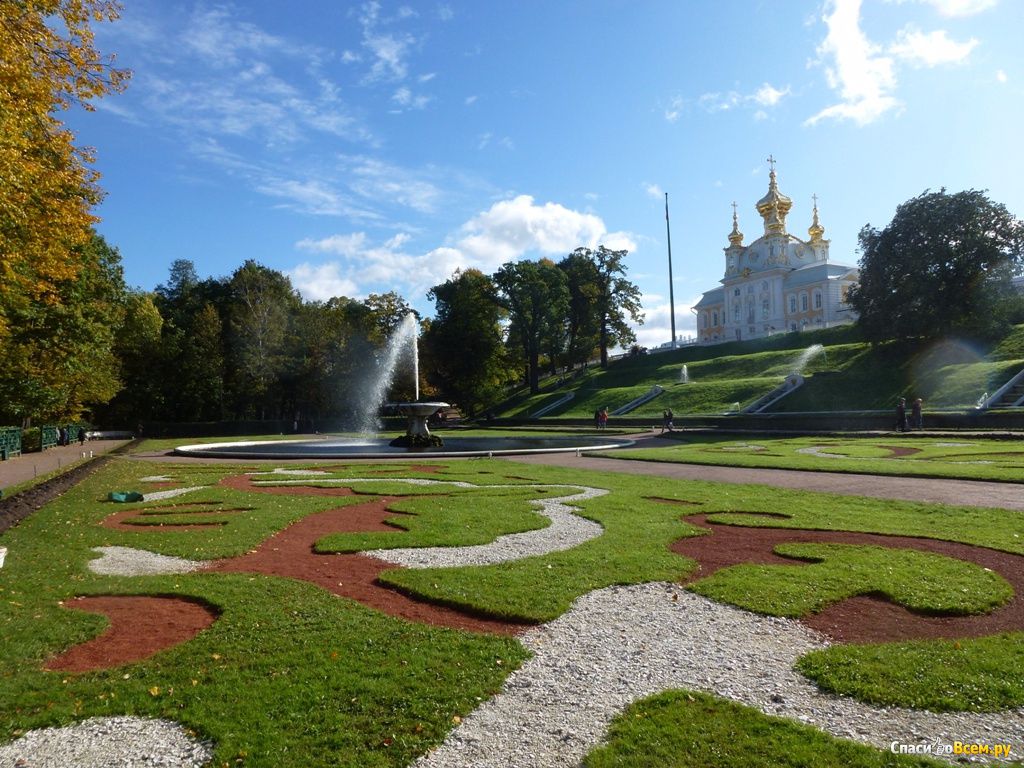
774,206
816,230
735,237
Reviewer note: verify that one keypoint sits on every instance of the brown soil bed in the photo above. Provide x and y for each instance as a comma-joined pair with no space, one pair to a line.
861,619
140,625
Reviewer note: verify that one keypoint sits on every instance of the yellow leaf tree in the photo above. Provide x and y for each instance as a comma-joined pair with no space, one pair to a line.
48,62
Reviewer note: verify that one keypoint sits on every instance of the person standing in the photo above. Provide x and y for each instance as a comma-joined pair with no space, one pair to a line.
666,420
901,415
916,419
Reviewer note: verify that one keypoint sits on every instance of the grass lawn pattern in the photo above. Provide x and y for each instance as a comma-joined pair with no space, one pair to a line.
290,675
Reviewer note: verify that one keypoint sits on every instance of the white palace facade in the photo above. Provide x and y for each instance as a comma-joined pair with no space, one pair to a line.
778,283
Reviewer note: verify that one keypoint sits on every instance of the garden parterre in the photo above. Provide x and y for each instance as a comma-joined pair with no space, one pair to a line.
330,681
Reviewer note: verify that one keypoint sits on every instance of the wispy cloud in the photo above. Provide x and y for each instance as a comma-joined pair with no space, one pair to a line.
856,68
764,97
930,49
388,49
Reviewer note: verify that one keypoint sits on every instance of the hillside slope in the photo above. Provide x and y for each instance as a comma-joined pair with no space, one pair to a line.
841,373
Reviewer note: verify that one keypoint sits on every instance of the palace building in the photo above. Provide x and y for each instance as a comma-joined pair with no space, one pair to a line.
778,283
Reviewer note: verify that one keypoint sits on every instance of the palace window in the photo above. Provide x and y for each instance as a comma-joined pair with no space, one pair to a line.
766,308
803,302
792,304
817,299
715,316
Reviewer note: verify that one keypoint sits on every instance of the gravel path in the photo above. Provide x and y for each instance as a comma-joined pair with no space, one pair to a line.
108,742
567,530
620,644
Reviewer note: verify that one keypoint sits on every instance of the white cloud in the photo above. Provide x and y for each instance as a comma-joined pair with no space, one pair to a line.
470,100
766,96
653,190
364,267
382,182
1001,76
675,108
511,228
388,51
341,245
864,79
930,49
507,231
321,282
657,327
313,197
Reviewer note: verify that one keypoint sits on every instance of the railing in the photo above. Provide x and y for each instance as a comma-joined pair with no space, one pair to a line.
792,383
998,394
10,442
551,406
632,405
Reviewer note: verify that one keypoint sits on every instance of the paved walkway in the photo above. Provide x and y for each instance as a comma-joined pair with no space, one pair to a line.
974,493
28,466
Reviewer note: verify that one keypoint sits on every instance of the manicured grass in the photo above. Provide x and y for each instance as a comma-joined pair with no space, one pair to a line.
968,458
973,674
681,729
290,675
921,581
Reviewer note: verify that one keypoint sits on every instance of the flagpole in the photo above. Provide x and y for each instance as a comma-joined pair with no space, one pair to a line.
671,295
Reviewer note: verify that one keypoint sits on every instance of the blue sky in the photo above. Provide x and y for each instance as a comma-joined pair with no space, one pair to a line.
367,147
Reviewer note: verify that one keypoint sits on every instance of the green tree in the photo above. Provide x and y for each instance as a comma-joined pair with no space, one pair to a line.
582,323
463,343
617,300
944,264
138,347
536,297
59,357
262,305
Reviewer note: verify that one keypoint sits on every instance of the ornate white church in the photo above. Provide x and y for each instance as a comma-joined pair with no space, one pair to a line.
778,283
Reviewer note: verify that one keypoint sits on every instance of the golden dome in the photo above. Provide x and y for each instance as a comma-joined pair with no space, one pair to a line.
816,230
774,206
735,237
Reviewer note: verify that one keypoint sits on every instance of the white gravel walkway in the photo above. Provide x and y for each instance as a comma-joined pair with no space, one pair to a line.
620,644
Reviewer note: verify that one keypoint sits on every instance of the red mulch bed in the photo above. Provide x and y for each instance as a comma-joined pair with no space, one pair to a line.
141,626
867,618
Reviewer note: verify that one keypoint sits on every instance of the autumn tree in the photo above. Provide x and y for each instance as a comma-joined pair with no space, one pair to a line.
47,188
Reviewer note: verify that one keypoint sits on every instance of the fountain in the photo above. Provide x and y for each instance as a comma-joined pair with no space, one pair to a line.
417,438
806,356
684,375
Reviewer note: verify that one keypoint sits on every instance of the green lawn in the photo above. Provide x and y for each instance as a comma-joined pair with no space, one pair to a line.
330,682
967,458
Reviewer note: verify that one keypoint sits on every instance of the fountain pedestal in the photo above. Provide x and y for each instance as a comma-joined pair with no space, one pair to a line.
417,434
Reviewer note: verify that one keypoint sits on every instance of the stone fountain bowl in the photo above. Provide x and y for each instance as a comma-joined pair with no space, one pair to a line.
370,448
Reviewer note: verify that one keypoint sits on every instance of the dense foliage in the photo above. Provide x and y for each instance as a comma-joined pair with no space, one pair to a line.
59,285
943,265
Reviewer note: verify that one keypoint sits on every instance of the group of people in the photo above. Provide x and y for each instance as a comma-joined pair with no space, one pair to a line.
64,436
667,417
601,418
915,421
